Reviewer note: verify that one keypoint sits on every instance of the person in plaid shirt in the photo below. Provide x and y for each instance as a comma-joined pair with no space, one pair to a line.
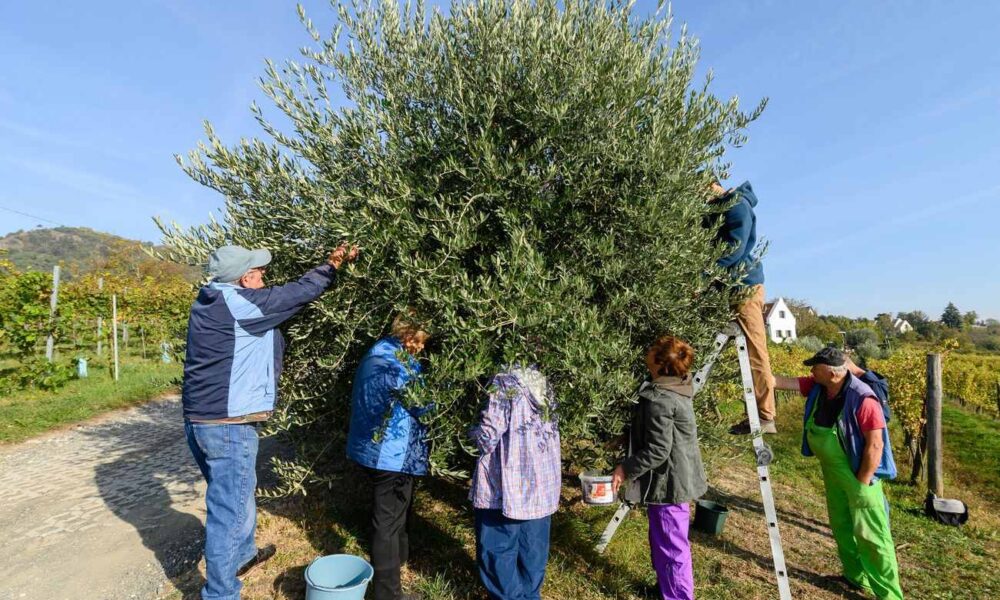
517,482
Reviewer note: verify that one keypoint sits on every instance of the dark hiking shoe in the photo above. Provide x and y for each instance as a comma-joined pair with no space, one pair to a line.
263,554
849,583
861,587
743,427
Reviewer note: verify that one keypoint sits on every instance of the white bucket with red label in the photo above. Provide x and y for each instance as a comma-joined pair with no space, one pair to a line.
596,488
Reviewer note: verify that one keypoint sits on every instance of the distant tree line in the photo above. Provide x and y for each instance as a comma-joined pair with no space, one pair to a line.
881,333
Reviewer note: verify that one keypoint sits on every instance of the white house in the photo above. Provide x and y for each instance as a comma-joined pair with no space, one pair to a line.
780,321
902,326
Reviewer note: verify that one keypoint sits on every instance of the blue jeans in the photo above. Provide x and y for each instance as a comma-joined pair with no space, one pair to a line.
512,555
227,457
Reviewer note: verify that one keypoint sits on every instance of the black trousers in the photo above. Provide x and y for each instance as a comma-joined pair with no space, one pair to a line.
393,503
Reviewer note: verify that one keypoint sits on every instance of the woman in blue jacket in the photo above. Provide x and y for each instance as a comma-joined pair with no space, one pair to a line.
387,439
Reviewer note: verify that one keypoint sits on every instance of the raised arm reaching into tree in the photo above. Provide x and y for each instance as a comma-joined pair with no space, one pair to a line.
231,373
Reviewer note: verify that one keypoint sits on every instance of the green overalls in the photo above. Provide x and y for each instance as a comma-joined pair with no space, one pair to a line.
858,517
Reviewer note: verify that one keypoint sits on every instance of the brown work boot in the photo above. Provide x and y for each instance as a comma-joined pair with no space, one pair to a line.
743,427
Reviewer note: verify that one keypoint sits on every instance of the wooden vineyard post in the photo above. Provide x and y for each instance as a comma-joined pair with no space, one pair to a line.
935,474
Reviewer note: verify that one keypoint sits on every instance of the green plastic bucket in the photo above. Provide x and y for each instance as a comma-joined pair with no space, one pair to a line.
709,517
338,577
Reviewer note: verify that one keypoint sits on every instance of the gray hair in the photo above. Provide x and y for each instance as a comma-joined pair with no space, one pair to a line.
841,370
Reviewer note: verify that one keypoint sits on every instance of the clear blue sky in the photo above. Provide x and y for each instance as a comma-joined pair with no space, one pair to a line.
876,162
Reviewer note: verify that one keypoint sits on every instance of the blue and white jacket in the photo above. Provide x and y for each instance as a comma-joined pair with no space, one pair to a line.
234,349
385,434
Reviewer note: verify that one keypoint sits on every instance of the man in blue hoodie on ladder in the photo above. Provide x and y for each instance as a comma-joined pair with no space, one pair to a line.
737,227
234,355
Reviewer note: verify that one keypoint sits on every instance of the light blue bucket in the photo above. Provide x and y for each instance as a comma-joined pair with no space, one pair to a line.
338,577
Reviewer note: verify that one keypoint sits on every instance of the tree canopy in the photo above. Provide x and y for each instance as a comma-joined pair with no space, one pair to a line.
529,177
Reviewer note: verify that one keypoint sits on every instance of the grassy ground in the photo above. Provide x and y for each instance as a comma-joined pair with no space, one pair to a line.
936,561
30,412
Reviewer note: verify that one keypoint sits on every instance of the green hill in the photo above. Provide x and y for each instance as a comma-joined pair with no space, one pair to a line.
77,249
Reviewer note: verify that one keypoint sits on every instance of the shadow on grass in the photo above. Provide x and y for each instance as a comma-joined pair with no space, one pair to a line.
824,582
441,536
794,519
342,524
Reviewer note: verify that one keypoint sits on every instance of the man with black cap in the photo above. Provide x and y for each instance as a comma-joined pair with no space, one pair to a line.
231,371
845,428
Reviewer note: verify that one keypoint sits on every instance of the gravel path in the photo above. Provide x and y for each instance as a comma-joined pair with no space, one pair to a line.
113,508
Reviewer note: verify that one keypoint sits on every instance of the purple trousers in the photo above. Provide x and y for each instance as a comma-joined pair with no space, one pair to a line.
671,550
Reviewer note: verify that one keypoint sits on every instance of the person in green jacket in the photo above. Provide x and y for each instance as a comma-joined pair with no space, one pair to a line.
663,464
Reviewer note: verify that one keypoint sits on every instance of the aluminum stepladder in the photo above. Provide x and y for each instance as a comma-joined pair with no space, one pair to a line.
761,450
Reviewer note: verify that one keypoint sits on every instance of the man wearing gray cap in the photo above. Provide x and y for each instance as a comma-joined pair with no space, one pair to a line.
231,371
845,427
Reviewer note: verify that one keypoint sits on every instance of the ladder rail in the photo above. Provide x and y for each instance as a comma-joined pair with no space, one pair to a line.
609,531
701,377
763,454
